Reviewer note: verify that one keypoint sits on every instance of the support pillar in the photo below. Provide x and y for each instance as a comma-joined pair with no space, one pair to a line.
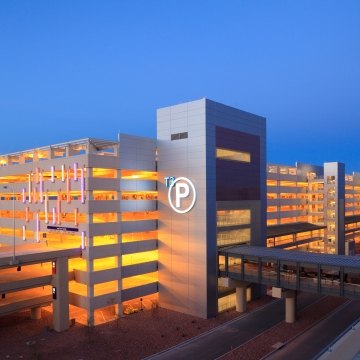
35,313
290,307
241,299
241,291
60,285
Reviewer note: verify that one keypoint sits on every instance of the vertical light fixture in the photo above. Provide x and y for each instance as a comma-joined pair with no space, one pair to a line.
41,187
68,186
62,173
58,205
54,216
24,233
46,205
82,186
35,195
29,188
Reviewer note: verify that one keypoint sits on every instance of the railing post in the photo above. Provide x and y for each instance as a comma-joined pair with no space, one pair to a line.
341,281
259,270
278,273
242,268
227,264
297,276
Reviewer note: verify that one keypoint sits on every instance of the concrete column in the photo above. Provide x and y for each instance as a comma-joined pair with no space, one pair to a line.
241,299
242,291
290,307
60,282
35,313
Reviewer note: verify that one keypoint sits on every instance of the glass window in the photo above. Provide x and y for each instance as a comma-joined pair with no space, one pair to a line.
233,217
233,155
231,237
179,136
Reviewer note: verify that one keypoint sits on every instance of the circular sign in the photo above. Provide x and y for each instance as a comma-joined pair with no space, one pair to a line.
181,183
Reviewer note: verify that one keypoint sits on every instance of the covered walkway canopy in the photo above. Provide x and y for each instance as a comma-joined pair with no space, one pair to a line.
295,270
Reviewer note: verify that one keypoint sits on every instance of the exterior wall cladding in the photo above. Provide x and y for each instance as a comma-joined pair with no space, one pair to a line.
188,242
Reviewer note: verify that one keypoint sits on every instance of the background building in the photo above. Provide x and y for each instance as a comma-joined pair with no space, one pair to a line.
316,195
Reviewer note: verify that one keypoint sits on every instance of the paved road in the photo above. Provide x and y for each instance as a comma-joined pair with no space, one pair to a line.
222,339
308,345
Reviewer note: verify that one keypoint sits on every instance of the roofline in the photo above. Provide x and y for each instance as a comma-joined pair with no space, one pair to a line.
47,147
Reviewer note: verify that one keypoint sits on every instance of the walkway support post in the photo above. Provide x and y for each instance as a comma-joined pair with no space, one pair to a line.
241,287
35,313
290,306
290,302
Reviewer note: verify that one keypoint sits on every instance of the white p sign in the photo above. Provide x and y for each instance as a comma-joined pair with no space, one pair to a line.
183,189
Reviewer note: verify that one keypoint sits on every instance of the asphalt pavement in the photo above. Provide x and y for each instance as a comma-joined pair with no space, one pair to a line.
314,340
234,333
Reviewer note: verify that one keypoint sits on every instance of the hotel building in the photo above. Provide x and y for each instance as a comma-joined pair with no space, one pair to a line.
149,215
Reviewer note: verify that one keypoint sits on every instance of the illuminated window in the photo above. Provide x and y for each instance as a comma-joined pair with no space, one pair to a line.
105,240
104,173
287,196
139,236
287,220
105,288
104,217
104,195
272,169
139,258
139,280
231,237
233,217
105,263
288,183
139,215
271,182
139,195
287,208
138,175
233,155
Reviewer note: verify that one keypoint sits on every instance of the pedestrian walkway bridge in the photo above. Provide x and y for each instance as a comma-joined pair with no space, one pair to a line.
325,274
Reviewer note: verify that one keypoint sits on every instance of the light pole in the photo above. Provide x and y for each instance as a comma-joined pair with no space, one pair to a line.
13,199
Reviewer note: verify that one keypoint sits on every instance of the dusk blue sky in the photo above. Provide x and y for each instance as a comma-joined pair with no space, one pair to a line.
76,69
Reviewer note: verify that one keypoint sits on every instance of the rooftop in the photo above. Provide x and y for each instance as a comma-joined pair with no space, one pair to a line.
292,228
